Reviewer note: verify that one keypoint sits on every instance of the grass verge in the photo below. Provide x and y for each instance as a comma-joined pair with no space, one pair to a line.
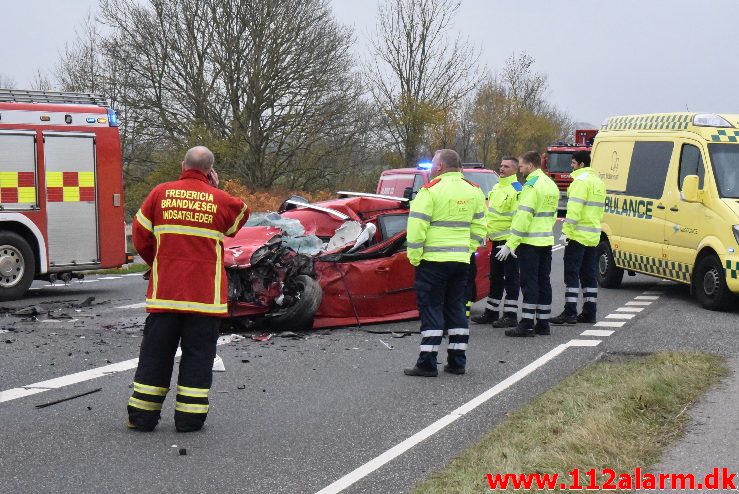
126,268
618,413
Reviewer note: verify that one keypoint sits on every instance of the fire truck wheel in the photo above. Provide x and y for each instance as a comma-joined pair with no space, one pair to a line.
299,315
609,275
17,266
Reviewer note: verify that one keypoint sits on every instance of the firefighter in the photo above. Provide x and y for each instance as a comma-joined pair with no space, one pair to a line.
446,225
586,197
179,232
502,205
532,238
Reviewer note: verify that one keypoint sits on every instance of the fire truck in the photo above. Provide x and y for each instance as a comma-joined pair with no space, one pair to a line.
61,188
557,161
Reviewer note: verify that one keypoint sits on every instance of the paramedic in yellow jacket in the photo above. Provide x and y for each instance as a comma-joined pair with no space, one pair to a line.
446,224
502,205
585,206
531,239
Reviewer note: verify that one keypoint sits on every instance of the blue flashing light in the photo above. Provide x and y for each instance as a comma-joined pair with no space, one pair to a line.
425,165
91,120
112,117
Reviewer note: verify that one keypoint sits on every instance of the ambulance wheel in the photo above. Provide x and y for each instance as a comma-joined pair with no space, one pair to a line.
709,283
609,275
299,316
17,266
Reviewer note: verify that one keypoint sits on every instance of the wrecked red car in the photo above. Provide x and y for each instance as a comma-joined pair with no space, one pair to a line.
334,263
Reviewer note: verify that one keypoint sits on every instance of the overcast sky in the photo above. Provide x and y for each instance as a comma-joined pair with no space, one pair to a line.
602,57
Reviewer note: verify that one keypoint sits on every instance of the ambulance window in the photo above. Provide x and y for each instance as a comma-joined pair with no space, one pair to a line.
648,170
417,182
691,163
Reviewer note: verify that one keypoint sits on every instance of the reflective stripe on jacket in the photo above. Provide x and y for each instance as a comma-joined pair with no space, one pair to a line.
446,220
585,206
179,232
502,205
537,212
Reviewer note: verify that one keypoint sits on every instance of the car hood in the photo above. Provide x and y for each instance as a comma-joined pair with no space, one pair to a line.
238,249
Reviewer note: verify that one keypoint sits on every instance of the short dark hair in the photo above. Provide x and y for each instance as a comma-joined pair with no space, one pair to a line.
582,157
450,158
508,157
532,157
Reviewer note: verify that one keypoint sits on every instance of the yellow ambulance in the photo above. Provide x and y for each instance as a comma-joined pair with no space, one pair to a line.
672,209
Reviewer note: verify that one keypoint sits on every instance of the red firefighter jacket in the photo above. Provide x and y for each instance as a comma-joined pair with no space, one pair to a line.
179,232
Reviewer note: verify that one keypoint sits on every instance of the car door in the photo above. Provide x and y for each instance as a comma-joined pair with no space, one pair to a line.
685,225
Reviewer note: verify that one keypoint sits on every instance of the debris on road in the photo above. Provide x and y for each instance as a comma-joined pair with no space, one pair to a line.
218,365
262,337
289,334
389,347
44,405
32,310
243,386
183,451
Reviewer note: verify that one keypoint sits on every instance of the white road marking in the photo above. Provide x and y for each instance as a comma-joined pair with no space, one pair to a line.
133,306
59,320
597,332
400,448
638,302
646,297
653,293
610,324
68,380
133,274
630,309
110,278
620,316
88,281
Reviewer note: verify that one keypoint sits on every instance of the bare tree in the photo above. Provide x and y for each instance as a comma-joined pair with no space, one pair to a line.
41,81
418,73
6,82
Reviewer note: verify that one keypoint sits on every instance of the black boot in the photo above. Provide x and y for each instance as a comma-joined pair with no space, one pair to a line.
521,330
564,319
508,321
420,372
486,317
586,318
542,328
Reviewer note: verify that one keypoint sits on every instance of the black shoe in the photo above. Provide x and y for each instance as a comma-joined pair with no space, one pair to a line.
563,319
419,372
189,428
586,318
140,428
542,330
484,318
454,370
519,331
506,322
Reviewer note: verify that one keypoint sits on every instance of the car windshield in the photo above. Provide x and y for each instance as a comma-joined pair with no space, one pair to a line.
725,160
559,162
485,180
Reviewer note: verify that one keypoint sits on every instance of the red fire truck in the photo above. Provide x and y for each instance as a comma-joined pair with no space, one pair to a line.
61,188
558,160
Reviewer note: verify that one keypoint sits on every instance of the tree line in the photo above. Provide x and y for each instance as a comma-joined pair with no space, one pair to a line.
272,87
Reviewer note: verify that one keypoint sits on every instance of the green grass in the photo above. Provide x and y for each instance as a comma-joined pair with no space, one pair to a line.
126,268
618,413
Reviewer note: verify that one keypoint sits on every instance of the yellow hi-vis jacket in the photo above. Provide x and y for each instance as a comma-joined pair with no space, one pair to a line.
446,221
585,205
537,212
502,205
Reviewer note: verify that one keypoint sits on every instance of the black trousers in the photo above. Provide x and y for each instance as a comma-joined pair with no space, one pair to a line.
580,271
536,267
163,332
441,296
504,279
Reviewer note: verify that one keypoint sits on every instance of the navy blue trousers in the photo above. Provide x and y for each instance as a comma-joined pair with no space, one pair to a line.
536,266
504,278
441,295
580,271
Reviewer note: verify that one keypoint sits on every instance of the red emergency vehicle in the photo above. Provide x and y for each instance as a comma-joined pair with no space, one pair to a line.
405,182
557,162
61,188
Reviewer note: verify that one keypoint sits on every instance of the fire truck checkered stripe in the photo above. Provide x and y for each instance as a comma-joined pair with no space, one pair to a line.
725,136
661,267
17,187
732,269
665,121
70,186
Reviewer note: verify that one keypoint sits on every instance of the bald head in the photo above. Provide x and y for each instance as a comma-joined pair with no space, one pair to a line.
198,158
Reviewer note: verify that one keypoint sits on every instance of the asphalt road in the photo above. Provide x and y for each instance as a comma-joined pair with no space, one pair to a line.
293,415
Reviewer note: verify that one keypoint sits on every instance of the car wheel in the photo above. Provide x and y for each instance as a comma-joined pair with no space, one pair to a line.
299,315
609,275
709,283
17,266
